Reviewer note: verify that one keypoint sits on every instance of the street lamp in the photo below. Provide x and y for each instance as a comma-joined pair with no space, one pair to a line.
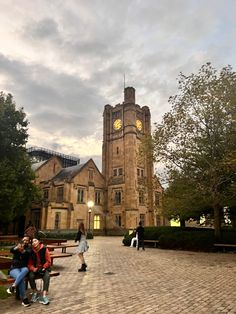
90,206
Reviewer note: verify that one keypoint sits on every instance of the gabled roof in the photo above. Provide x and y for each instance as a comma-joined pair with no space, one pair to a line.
68,173
37,165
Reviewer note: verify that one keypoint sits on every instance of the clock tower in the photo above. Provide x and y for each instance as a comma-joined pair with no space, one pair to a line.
128,177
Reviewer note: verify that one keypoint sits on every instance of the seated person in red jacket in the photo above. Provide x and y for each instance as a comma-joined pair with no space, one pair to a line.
39,266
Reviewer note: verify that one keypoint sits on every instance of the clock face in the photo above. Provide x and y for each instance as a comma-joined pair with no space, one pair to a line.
139,125
117,124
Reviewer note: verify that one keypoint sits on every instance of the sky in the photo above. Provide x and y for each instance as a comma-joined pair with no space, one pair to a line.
64,60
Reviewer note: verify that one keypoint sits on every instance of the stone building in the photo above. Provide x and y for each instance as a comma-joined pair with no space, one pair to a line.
118,198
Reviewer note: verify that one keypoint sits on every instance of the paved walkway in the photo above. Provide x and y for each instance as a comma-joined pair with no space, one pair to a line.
123,280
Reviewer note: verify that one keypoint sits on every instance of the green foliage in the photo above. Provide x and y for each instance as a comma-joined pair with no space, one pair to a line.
185,240
182,201
16,187
3,292
59,234
197,137
189,238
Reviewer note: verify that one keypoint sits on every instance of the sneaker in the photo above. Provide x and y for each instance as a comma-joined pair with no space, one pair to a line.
25,302
34,297
11,289
44,300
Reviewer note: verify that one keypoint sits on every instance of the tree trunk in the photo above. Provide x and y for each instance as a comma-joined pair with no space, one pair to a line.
182,223
217,222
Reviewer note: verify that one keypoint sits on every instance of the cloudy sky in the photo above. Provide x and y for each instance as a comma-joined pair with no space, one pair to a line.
64,60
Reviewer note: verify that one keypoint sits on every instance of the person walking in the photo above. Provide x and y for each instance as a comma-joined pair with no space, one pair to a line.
140,233
39,267
82,247
19,270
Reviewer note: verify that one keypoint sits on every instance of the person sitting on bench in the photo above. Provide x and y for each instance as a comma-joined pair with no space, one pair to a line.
134,239
39,267
19,270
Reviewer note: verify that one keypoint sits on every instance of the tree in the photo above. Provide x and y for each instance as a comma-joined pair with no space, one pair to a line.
197,136
16,186
182,201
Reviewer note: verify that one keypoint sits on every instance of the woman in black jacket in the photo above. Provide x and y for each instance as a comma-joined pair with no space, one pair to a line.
19,270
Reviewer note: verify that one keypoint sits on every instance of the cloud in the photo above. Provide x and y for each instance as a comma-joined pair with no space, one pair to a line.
63,61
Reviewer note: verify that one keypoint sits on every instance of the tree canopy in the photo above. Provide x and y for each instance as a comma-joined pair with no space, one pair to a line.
197,137
16,187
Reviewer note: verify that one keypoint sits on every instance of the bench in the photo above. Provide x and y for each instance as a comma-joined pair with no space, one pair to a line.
8,239
225,246
63,247
154,242
53,241
58,255
10,280
5,253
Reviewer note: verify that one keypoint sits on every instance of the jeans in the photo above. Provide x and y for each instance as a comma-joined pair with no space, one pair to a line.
19,275
140,243
45,277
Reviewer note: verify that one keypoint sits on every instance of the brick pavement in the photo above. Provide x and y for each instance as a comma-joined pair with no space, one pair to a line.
123,280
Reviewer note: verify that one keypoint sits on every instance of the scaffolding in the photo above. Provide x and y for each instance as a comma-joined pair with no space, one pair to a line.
38,154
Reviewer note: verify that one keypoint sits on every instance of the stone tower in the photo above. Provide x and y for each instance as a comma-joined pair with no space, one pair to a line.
128,177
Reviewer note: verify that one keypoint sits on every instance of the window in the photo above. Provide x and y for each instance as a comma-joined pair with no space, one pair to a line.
142,219
114,172
80,196
97,222
57,220
60,192
141,198
140,172
118,220
157,198
90,174
36,218
45,194
117,150
117,197
97,197
120,170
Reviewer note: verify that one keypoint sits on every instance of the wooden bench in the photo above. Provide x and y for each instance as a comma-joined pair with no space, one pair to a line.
53,241
10,280
5,263
5,253
9,239
154,242
58,255
63,247
225,246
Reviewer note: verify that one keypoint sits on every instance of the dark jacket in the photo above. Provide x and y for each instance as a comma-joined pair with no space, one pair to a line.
140,232
39,259
20,259
78,236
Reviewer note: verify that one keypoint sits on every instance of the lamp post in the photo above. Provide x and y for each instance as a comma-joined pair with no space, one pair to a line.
90,206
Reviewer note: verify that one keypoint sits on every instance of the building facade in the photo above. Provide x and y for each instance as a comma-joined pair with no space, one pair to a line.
118,198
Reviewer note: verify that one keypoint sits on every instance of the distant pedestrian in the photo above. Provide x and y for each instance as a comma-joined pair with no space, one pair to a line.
140,233
82,247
